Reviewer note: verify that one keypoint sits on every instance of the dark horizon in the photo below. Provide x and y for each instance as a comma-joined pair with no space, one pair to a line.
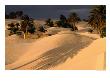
50,11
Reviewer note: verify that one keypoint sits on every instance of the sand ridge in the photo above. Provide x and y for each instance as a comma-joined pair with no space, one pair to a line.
64,50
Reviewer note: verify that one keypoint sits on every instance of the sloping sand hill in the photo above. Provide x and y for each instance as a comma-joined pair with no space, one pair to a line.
89,58
15,47
62,51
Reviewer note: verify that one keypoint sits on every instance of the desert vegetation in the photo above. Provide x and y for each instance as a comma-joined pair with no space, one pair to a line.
66,42
13,28
97,20
68,22
65,22
25,27
14,15
73,19
49,22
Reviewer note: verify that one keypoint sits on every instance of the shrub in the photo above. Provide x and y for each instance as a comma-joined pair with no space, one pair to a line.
41,29
13,29
103,33
49,22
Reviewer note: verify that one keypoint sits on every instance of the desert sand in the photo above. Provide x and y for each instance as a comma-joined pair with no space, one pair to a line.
65,50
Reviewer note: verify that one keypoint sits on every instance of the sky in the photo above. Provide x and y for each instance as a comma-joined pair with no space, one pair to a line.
50,11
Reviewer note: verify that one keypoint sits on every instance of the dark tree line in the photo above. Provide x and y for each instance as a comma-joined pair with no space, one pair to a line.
69,22
97,20
13,15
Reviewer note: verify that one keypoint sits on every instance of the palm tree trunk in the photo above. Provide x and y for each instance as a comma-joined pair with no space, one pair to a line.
74,26
25,34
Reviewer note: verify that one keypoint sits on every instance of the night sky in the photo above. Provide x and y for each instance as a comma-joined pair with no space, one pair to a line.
50,11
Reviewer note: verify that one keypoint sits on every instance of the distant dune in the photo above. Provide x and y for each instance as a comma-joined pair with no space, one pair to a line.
62,51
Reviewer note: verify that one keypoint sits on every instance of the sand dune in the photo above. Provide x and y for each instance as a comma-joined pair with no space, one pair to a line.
62,51
53,46
15,47
89,58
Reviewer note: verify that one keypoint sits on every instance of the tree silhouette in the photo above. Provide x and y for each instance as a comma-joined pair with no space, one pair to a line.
27,25
97,19
19,14
73,19
63,20
25,17
12,15
49,22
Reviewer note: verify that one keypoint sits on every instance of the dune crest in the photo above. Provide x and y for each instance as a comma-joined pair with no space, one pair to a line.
64,50
61,45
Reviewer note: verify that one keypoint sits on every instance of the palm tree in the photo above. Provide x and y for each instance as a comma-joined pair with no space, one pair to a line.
62,21
62,18
24,25
27,26
97,19
73,19
31,27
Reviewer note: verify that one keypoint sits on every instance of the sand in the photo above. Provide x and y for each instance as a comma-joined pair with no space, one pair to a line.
89,58
15,47
66,50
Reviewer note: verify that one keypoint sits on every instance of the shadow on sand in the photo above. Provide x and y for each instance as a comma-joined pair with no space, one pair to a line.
60,54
